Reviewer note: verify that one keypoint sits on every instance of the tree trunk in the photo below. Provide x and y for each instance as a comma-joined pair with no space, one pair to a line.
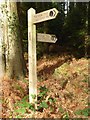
2,55
12,42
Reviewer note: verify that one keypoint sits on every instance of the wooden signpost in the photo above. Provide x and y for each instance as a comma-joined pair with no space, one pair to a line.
44,16
34,18
41,37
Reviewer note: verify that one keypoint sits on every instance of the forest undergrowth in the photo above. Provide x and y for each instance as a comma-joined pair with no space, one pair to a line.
62,90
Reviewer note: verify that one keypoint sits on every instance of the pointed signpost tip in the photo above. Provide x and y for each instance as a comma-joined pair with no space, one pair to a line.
53,12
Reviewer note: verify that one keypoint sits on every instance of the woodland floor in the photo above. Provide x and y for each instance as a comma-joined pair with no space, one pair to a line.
62,90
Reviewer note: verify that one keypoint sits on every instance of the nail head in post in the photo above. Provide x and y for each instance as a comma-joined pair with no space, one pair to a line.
52,13
54,38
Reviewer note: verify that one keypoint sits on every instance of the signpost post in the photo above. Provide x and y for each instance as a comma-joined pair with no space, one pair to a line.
32,56
34,18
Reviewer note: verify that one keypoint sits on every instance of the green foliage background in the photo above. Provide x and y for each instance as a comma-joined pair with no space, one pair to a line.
71,29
